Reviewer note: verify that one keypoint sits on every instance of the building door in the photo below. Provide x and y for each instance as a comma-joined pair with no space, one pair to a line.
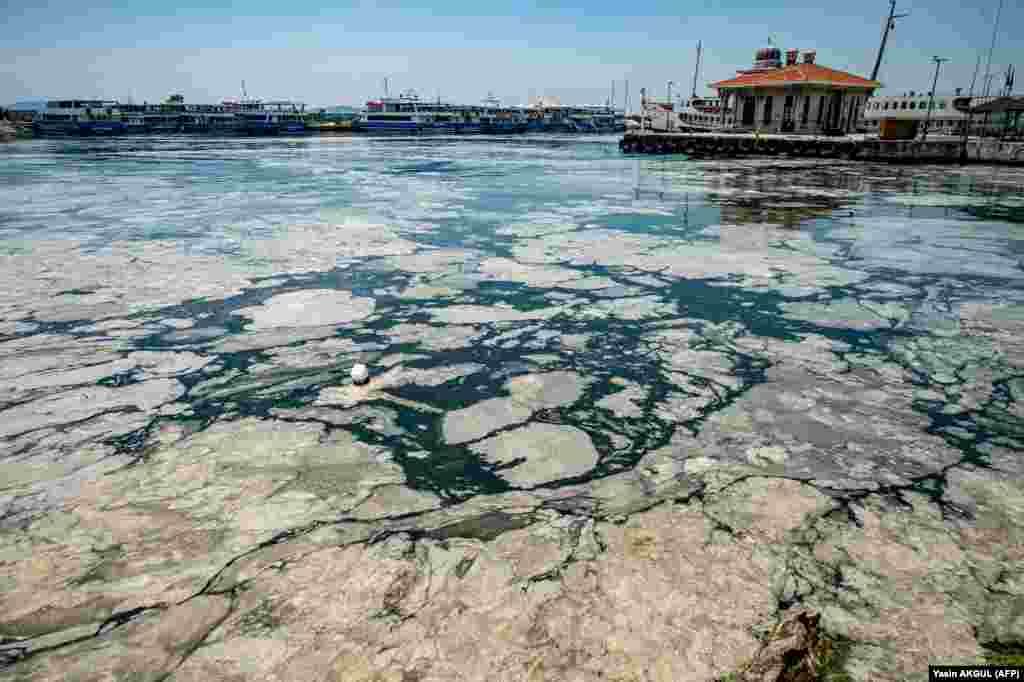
748,111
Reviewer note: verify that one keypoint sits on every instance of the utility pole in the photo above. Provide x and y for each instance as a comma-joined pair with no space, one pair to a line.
696,71
890,23
931,96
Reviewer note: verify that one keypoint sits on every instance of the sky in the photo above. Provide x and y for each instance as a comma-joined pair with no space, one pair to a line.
461,50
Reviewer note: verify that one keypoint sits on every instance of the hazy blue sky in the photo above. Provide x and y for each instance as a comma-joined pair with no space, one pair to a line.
337,54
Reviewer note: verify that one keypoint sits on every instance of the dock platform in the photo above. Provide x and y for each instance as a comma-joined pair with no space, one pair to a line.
939,149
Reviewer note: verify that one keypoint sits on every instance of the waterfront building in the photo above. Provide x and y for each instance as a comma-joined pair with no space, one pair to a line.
795,97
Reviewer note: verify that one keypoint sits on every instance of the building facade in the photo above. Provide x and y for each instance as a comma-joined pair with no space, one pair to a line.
800,97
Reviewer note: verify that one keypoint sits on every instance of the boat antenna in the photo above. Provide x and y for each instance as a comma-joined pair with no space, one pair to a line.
890,23
244,94
386,88
992,45
613,94
974,79
696,71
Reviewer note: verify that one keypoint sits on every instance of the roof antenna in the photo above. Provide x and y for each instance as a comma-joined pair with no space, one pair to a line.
244,94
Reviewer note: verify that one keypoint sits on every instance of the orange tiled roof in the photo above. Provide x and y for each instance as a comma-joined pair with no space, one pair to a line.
796,74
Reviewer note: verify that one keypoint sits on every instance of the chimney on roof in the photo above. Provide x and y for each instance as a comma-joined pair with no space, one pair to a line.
791,55
809,56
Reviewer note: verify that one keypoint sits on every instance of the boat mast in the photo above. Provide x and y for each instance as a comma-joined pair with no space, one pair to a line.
992,46
696,72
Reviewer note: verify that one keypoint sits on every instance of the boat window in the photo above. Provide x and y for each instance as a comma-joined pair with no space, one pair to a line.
942,104
913,105
903,105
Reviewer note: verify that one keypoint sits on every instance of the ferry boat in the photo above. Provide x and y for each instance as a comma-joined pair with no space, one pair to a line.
701,114
79,117
402,114
214,119
255,117
546,116
694,115
949,113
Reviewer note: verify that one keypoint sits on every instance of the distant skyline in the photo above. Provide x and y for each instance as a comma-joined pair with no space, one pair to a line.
341,54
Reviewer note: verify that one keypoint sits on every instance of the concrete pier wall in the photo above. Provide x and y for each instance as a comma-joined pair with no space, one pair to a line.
711,145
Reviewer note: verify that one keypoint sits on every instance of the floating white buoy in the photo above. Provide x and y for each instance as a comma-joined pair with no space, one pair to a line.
360,374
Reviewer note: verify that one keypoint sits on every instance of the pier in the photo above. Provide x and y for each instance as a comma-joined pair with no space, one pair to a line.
729,145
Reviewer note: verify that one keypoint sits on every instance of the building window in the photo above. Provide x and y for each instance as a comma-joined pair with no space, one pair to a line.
913,105
903,105
821,109
807,111
767,110
942,104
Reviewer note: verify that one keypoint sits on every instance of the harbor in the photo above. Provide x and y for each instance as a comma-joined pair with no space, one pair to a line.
798,108
403,114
